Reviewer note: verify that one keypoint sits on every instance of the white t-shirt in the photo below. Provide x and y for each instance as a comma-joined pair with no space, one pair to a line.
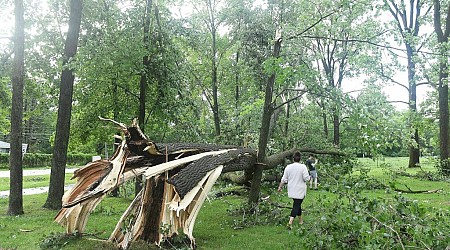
296,175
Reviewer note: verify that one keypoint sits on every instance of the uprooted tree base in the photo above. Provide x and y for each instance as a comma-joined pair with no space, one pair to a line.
178,178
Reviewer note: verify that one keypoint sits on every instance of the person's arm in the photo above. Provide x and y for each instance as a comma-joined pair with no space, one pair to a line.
280,187
306,176
283,181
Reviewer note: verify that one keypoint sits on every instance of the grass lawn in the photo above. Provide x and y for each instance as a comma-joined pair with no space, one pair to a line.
216,227
213,229
385,170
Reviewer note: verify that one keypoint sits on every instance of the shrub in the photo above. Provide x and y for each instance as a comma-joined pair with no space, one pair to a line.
37,160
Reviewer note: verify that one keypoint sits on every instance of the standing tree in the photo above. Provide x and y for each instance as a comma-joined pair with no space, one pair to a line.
265,125
442,37
56,188
207,16
407,19
335,46
15,161
144,80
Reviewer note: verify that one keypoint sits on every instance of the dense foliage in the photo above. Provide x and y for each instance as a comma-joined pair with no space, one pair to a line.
39,160
328,88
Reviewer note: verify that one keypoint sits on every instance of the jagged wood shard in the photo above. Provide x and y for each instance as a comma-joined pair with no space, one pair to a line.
179,177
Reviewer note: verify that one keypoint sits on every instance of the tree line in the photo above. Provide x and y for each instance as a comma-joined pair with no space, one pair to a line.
269,75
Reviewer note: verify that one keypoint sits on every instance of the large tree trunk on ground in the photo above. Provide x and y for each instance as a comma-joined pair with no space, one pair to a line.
15,206
59,160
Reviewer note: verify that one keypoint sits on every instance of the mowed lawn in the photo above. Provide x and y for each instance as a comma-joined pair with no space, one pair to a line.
395,170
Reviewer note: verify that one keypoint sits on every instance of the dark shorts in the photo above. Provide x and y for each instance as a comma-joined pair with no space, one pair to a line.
297,208
313,174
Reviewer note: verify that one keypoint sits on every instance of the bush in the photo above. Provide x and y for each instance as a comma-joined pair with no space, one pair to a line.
37,160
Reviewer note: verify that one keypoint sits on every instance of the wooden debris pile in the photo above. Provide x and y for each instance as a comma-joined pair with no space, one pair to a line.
178,179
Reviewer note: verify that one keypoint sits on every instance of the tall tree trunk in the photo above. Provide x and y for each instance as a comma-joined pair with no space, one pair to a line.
442,37
336,129
15,161
324,118
325,124
143,81
286,141
215,107
265,127
408,25
59,160
414,149
236,81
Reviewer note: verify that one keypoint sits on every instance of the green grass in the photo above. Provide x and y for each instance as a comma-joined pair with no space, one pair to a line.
387,170
213,229
28,230
216,227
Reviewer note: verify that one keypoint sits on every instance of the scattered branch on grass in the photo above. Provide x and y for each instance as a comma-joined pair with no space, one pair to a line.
389,227
268,200
410,191
381,223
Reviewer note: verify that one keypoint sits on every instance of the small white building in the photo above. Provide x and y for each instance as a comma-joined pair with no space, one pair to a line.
4,147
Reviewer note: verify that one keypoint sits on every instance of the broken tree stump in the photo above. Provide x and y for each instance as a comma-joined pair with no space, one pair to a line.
178,179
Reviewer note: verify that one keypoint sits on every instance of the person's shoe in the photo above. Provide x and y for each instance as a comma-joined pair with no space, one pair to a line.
289,226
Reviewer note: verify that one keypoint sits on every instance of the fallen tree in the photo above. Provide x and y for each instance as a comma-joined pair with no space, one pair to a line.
178,179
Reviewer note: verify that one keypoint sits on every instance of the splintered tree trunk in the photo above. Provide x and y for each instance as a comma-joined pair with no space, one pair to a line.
152,202
15,162
59,160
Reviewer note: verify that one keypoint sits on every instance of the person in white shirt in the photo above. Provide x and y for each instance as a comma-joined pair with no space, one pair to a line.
296,176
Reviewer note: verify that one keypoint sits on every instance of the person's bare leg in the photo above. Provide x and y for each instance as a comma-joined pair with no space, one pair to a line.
315,183
310,183
291,220
300,219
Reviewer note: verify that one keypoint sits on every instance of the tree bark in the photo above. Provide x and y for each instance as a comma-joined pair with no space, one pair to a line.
143,81
236,80
59,160
408,25
15,161
336,128
213,30
442,37
265,127
414,149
